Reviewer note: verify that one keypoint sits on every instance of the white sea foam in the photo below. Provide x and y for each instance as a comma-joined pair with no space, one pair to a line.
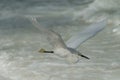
98,8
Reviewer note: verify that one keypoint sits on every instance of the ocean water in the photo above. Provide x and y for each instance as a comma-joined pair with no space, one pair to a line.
20,40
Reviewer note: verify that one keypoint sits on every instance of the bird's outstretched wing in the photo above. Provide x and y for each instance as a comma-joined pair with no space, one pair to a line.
53,37
80,37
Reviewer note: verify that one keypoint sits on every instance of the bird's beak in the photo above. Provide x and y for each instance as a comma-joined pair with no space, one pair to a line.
84,56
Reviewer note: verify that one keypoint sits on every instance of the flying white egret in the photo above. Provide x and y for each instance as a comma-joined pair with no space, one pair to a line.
68,50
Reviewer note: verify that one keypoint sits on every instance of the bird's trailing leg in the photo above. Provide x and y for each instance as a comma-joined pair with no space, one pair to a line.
44,51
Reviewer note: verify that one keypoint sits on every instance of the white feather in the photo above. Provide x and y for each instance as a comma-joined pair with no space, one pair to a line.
53,37
76,40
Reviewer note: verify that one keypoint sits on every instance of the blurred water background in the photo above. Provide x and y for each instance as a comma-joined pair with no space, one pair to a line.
20,40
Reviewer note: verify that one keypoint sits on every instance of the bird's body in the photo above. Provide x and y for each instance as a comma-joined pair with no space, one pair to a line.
67,53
